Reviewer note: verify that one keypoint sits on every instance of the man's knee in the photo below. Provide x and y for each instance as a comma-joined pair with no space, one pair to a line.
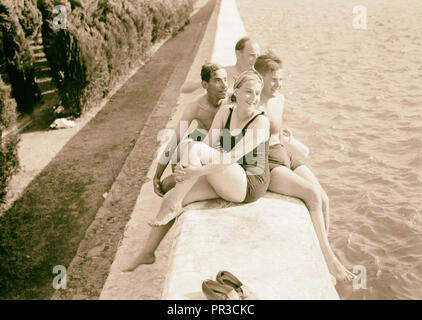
314,198
278,173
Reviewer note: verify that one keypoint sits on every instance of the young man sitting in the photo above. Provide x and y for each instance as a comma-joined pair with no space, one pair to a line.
202,110
288,175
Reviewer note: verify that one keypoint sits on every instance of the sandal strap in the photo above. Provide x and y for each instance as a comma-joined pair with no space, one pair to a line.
232,295
243,291
214,290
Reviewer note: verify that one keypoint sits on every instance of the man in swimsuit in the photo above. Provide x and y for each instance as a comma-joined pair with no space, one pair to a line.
288,175
246,50
202,110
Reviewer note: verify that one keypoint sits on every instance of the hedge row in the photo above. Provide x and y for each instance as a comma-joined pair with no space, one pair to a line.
16,61
8,146
102,40
29,17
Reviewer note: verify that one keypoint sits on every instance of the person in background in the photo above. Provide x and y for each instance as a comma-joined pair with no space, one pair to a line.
246,50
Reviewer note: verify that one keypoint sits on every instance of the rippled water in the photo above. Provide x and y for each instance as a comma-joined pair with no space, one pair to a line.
355,98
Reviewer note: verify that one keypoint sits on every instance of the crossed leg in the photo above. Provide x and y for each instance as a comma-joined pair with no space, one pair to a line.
229,184
285,181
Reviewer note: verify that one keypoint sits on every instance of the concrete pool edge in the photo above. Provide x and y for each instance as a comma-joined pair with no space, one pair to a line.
126,285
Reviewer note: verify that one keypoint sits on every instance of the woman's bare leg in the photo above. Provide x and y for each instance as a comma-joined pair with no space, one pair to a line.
307,174
201,190
284,181
231,188
229,183
147,256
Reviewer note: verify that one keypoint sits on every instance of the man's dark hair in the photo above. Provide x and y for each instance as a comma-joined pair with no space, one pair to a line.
268,62
208,69
240,45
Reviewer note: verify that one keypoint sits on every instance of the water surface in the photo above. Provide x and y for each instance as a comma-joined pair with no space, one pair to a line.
355,98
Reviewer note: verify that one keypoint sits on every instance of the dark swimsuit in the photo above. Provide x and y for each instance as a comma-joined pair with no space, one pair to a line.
255,163
198,134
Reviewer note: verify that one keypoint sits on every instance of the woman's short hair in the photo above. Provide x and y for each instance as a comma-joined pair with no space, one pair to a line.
208,69
250,74
268,62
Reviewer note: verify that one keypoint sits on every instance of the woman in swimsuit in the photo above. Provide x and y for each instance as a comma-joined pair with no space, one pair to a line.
235,169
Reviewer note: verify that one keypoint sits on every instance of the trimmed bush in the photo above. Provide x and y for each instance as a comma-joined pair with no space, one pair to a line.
102,40
8,148
7,107
29,16
17,62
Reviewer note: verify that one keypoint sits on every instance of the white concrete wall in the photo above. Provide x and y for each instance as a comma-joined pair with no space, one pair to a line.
229,30
270,245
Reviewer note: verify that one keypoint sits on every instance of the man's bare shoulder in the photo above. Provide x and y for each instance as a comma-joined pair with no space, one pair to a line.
277,99
202,98
199,100
276,102
229,68
193,105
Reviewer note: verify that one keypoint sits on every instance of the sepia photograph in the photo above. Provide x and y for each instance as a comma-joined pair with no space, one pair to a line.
194,150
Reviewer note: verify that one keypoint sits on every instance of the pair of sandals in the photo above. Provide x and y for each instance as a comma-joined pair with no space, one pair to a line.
227,287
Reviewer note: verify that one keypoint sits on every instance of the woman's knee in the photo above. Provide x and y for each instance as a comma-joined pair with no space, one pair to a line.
190,153
230,184
235,196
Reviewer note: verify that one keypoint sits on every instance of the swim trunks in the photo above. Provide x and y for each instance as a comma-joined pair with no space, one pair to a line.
279,156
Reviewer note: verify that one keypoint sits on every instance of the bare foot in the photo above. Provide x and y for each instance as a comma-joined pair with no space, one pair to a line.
167,213
339,271
143,258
